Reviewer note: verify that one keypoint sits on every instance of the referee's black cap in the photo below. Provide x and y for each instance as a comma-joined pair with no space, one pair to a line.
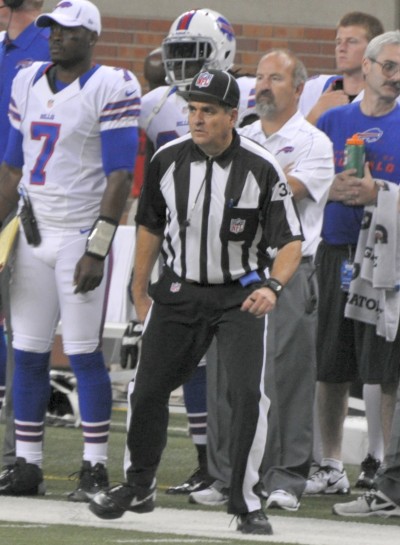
213,86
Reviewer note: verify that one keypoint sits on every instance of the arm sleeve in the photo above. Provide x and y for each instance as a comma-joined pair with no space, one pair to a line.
14,155
119,149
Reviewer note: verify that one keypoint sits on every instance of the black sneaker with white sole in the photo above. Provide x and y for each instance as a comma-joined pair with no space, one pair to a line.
22,479
198,480
114,502
369,467
255,522
92,479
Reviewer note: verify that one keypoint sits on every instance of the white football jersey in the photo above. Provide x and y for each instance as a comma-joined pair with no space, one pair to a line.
63,171
164,114
247,103
313,89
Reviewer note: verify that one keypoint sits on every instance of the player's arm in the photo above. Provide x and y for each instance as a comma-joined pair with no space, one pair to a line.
119,152
148,244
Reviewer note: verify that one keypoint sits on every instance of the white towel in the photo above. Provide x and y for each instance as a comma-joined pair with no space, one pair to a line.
374,295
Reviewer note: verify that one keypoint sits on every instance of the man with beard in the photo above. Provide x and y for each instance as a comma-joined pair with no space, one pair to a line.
306,156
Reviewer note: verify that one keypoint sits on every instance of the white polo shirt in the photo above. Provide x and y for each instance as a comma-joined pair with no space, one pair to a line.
308,153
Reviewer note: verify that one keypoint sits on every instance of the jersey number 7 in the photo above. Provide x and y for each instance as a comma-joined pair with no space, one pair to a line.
49,133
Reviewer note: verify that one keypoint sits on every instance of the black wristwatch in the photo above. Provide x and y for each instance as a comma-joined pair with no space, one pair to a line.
274,285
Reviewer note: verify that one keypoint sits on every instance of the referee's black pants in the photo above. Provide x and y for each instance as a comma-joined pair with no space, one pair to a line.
182,322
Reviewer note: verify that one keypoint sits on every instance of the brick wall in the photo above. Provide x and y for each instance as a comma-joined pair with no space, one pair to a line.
126,42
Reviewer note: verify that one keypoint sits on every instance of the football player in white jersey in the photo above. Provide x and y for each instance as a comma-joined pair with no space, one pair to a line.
70,154
197,39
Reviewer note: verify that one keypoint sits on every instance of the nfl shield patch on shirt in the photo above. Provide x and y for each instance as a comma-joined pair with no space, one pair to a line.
237,226
175,287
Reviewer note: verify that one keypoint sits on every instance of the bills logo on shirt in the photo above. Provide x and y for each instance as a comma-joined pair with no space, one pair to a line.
237,226
204,80
286,149
24,63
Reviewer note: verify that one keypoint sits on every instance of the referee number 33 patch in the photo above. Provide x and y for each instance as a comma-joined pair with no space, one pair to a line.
239,224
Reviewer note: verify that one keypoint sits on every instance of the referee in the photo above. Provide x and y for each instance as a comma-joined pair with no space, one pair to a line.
212,203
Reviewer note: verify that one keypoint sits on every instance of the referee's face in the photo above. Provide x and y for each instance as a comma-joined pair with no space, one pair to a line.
211,126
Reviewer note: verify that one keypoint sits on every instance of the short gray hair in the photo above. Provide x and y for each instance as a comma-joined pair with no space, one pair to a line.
375,46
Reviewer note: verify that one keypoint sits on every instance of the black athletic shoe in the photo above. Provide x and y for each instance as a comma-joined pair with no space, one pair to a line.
255,522
92,479
369,467
112,503
199,480
22,479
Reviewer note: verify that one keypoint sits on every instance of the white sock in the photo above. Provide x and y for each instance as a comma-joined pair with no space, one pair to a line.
372,398
332,462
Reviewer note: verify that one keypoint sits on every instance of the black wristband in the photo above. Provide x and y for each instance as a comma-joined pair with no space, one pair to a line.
274,285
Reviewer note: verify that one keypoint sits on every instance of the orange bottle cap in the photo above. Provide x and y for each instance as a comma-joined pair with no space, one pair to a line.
355,140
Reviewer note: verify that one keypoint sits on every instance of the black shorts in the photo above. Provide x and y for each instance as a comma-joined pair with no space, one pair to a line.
379,360
336,347
347,348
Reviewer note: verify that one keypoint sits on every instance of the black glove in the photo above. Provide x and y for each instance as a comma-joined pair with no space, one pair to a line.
131,345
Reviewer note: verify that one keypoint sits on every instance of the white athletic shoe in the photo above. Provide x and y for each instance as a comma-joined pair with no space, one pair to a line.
209,496
282,500
328,480
371,503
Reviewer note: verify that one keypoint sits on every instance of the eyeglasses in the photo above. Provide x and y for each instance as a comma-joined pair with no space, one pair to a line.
389,68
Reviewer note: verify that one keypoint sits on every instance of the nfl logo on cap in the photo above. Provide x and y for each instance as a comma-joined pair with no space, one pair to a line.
204,80
213,86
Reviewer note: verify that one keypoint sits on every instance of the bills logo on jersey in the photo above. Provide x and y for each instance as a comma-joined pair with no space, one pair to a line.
237,226
204,80
226,28
175,287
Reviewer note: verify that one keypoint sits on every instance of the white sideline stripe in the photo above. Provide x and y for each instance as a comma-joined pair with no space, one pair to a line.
196,523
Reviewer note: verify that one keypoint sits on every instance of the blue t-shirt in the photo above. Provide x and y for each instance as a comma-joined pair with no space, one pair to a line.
31,45
382,151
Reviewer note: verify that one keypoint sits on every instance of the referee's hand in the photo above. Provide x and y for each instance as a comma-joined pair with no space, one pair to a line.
260,302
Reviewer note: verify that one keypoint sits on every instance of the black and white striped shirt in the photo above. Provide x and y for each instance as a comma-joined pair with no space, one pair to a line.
219,215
